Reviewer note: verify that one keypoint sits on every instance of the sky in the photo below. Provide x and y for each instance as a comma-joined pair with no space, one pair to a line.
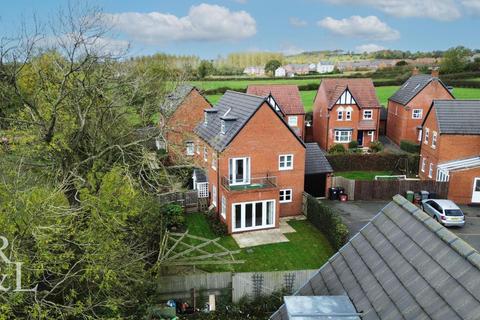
212,28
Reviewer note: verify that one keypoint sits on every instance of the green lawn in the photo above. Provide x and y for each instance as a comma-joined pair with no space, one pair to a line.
362,175
307,249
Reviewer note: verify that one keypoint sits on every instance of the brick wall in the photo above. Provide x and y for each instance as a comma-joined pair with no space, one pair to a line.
461,185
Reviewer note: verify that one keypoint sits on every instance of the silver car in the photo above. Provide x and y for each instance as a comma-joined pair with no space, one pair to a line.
445,212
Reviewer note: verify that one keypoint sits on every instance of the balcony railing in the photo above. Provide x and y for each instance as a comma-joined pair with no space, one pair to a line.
254,183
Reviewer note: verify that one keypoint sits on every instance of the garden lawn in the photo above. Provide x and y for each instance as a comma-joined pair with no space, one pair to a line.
307,249
363,175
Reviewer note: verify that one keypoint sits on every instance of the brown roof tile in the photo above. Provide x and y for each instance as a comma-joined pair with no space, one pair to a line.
287,96
362,91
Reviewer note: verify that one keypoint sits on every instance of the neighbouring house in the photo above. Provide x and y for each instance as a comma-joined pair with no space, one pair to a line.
325,67
318,171
345,110
408,106
287,99
312,67
254,162
280,72
401,265
382,128
254,71
183,108
450,148
294,69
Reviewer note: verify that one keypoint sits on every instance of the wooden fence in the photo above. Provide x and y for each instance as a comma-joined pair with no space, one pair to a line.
347,184
240,285
188,199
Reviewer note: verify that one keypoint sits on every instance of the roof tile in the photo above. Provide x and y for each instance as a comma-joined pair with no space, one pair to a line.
286,95
362,90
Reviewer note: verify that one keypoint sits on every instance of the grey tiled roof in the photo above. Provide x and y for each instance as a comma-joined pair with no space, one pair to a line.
412,87
315,160
175,98
457,116
402,265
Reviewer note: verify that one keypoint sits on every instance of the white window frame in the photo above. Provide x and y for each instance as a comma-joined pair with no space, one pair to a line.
293,121
214,195
223,211
430,170
427,136
214,161
420,133
283,162
417,114
338,136
232,167
286,196
205,154
368,111
424,164
264,215
371,134
190,148
348,114
198,147
339,115
434,139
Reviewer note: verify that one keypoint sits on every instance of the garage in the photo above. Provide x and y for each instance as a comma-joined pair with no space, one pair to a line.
317,171
464,180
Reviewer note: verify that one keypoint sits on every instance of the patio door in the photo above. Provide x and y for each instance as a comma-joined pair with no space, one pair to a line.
253,215
476,190
239,171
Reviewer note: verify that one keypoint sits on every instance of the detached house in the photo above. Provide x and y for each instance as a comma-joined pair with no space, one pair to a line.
345,110
450,148
287,100
183,109
253,161
409,105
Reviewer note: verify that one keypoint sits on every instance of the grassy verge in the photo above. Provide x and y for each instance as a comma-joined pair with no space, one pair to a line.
307,249
362,175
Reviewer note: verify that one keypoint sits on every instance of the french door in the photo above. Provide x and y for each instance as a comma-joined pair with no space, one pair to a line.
253,215
239,171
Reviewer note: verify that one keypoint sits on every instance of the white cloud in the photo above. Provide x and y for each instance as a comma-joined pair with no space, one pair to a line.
368,48
290,49
473,6
297,22
361,27
203,23
444,10
241,1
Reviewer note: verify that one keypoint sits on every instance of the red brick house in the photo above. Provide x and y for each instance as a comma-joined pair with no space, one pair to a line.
345,110
450,148
253,161
287,99
408,106
183,109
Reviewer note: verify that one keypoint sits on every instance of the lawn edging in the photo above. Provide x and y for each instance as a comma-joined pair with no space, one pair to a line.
327,220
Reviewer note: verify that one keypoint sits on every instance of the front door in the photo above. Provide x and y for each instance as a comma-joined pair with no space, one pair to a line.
476,190
360,138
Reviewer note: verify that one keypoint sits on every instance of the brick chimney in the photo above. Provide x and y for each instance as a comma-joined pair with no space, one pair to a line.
415,71
435,73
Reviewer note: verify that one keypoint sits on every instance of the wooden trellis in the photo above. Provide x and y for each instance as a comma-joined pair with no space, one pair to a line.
176,251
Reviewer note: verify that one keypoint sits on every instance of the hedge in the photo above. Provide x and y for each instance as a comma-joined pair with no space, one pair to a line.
328,221
409,147
382,161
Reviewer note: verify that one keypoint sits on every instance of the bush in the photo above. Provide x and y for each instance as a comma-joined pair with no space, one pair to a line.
376,146
218,227
173,215
337,149
353,144
409,147
328,222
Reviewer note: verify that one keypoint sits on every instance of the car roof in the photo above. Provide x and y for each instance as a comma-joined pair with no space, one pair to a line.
446,204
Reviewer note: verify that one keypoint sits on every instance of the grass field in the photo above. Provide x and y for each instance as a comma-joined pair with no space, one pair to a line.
307,249
383,93
362,175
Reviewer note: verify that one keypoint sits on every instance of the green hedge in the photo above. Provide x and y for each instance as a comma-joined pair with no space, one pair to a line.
328,221
382,161
409,147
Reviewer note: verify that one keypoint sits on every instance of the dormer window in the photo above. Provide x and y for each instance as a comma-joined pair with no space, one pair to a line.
208,113
222,126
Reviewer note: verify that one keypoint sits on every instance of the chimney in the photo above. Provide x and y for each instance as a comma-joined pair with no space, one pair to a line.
208,113
415,71
435,72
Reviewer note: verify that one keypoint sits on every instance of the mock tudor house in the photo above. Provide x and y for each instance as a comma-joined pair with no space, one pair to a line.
253,161
408,106
184,108
345,110
450,148
285,98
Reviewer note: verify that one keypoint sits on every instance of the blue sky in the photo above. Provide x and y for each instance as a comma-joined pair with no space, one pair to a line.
218,27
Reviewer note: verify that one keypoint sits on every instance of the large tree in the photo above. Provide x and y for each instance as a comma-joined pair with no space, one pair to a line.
455,60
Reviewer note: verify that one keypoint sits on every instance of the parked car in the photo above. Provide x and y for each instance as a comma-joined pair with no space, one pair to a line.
445,212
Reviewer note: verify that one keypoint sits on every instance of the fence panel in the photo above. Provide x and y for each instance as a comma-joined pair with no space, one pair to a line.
386,189
187,199
347,184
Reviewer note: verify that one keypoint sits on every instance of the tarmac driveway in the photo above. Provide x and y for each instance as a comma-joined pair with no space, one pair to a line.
357,214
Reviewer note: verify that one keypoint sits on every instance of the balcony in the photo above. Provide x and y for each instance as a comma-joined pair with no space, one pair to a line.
253,184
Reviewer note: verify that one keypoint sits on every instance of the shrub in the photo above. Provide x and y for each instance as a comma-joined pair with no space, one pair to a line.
328,221
353,144
337,149
376,146
173,215
409,147
219,228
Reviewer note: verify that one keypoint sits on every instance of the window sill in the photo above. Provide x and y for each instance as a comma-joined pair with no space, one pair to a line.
290,201
285,169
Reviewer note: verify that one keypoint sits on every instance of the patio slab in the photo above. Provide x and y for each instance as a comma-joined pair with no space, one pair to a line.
285,227
258,238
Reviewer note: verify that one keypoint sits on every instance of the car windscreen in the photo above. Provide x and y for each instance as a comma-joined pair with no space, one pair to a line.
453,212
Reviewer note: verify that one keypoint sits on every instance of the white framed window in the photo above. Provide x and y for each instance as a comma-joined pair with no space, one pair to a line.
420,135
430,170
427,135
239,171
198,147
253,215
293,121
285,162
424,163
205,154
348,114
214,195
190,146
343,136
205,119
434,139
367,114
339,115
222,126
285,195
371,134
214,161
223,211
417,114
